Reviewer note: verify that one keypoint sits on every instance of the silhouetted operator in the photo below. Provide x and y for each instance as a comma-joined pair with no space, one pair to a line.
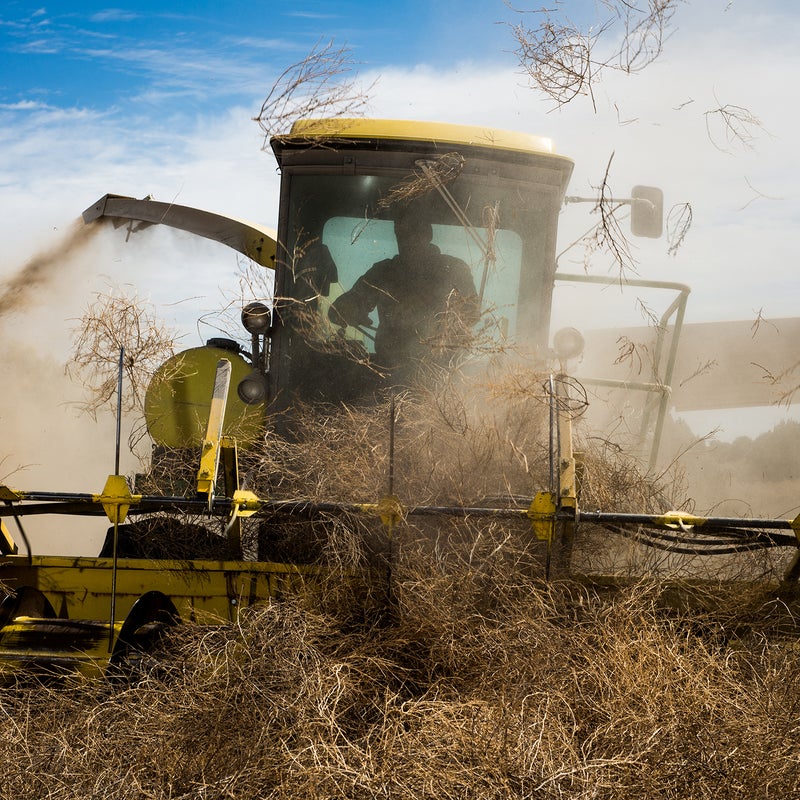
419,294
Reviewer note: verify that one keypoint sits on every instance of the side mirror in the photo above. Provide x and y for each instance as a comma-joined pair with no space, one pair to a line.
647,211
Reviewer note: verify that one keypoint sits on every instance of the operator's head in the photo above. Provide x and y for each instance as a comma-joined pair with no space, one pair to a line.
412,230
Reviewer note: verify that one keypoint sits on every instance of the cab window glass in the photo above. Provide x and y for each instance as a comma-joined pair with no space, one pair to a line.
356,245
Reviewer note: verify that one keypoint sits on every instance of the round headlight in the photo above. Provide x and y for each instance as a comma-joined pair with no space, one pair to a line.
568,343
252,389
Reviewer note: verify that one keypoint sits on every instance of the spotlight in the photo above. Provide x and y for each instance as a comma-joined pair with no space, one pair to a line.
256,318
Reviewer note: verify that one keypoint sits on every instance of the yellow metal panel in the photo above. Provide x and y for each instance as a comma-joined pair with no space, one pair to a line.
7,544
209,459
253,240
542,514
178,400
116,498
29,643
80,588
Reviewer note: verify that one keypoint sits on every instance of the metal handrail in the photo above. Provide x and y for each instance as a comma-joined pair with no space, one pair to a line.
661,387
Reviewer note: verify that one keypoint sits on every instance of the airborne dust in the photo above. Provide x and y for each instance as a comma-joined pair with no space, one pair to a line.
39,273
48,444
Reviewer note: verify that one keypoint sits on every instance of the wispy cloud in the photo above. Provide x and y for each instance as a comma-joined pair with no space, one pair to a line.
151,65
311,15
257,43
114,15
189,70
25,105
49,46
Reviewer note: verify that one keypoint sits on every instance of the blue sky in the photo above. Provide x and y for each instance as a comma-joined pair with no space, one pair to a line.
158,98
150,54
153,81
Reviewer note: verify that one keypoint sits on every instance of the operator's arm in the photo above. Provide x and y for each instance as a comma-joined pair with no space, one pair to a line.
354,306
468,302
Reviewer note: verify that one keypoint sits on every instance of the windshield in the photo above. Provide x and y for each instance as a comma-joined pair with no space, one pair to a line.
392,271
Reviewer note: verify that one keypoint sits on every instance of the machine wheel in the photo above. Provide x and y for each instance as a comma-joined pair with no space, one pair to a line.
141,633
25,602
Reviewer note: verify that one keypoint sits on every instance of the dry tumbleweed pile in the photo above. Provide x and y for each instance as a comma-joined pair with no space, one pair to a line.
481,686
471,677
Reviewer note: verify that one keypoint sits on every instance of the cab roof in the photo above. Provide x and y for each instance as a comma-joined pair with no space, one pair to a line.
412,130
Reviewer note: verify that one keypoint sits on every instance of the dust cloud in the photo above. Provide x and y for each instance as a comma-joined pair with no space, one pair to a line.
725,435
40,271
48,444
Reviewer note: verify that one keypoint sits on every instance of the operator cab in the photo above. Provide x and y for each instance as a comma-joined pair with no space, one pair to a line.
353,312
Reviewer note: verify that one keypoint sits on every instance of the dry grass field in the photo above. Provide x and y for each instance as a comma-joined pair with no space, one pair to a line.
477,686
478,679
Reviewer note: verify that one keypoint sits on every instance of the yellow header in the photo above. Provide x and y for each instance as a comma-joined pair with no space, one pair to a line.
411,130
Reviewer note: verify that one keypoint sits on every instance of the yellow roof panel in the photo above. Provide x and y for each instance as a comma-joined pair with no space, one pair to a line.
411,130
